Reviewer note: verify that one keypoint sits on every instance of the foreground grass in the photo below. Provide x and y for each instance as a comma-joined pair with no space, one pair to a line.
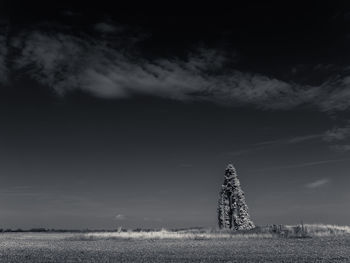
170,247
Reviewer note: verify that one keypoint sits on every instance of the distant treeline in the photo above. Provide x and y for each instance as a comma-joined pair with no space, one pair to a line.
52,230
19,230
119,229
278,229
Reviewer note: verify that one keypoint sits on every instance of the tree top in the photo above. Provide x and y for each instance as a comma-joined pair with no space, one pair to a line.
230,167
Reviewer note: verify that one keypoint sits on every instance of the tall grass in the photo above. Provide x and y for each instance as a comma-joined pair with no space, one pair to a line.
308,230
327,230
166,234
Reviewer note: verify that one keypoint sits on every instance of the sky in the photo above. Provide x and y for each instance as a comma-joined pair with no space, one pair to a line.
113,117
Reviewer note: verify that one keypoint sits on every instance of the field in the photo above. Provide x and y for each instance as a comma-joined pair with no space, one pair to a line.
166,246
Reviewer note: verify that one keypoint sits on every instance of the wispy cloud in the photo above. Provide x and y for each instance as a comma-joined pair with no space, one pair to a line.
115,68
292,140
120,217
336,92
337,133
341,148
304,164
338,137
317,183
267,144
333,137
305,138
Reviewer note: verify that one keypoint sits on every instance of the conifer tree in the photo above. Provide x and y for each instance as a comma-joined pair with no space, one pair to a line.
232,208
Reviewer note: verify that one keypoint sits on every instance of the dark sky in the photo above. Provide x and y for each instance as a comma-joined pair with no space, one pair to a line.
115,117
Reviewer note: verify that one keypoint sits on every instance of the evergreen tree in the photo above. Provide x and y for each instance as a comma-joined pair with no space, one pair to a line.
232,208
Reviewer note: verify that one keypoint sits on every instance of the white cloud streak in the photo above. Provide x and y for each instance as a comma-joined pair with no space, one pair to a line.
317,183
292,140
336,134
302,165
120,217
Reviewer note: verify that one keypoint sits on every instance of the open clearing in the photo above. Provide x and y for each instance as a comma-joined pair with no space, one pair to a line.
75,247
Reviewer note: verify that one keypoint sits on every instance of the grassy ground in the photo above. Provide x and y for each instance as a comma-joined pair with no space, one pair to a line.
66,247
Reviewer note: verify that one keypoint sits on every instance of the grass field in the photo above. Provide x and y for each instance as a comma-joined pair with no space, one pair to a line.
165,246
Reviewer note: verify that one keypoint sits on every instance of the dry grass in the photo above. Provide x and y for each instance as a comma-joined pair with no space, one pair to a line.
164,234
327,230
312,230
